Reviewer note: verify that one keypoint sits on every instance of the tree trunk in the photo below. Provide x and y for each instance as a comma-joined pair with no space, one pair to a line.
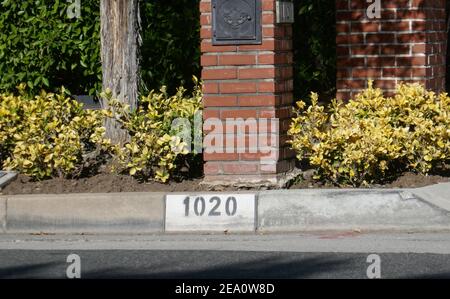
447,71
120,42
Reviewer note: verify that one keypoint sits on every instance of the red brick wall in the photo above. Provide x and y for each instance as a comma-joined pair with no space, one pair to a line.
407,44
248,81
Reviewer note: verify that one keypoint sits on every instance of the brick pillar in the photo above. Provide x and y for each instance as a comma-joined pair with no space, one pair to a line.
406,44
253,82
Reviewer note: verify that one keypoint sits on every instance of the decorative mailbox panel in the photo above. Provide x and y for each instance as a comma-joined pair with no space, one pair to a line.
236,22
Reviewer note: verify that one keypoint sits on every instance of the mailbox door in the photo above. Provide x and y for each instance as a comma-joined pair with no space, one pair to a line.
236,22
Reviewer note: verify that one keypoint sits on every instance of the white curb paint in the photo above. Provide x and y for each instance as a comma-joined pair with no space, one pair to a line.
211,212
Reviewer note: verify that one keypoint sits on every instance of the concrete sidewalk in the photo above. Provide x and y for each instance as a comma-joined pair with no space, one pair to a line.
423,209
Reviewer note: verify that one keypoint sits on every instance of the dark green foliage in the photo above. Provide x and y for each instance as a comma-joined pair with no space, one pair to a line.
42,46
315,47
171,48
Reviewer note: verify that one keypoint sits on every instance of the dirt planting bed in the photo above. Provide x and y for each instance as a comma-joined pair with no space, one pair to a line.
109,183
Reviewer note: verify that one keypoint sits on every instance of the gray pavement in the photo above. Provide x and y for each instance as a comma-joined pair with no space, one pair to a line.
318,255
219,265
298,234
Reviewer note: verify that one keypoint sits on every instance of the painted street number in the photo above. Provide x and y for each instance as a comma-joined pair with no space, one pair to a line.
199,206
210,212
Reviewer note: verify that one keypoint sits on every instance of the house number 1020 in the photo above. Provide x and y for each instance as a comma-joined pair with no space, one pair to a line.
212,208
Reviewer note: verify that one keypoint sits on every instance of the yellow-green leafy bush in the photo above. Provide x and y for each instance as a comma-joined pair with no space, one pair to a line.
49,135
155,149
372,138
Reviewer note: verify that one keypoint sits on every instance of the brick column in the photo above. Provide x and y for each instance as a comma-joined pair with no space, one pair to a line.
252,82
406,44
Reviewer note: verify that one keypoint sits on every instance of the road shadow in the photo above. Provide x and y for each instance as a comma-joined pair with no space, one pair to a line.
269,267
27,271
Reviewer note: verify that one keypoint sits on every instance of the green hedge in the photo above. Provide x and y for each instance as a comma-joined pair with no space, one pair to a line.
315,47
171,43
40,45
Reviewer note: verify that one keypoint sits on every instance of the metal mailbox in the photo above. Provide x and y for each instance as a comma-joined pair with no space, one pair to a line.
236,22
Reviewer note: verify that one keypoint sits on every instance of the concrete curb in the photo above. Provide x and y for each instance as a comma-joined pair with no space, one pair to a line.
85,213
437,195
3,215
420,209
309,210
7,177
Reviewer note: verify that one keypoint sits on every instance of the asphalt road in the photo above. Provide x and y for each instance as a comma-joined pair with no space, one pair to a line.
332,255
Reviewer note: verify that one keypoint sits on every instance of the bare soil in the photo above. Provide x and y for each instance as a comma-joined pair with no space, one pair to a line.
109,183
406,180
